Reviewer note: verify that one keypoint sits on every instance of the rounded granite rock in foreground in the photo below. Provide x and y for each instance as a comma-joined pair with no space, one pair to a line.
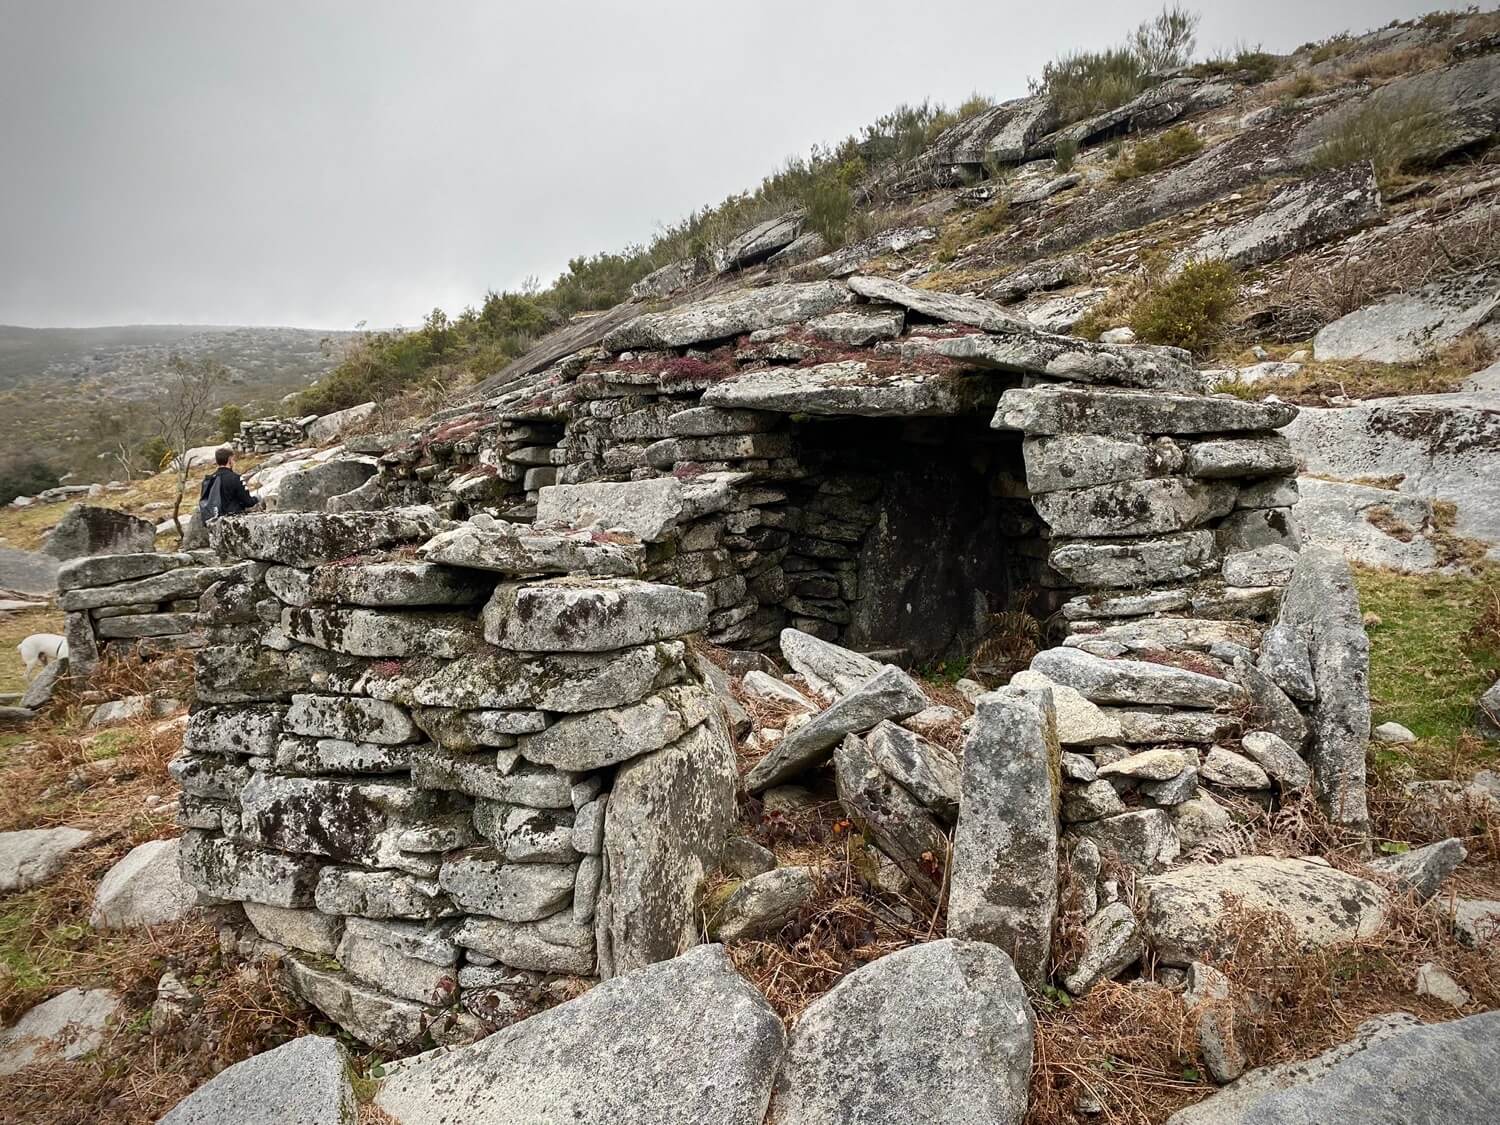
940,1032
681,1042
304,1082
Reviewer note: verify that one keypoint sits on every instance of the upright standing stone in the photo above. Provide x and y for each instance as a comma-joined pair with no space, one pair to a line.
1321,610
1004,877
669,814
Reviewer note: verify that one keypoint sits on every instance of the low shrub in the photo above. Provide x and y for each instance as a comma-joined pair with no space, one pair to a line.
1188,309
229,418
1392,137
1064,155
1158,152
25,476
1084,83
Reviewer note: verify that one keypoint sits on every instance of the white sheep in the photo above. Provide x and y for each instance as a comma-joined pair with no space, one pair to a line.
41,649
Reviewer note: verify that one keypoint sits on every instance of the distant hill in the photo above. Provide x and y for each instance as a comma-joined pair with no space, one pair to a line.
63,389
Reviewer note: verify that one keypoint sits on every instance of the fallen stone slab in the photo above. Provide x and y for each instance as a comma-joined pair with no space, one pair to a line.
906,832
849,388
1188,907
728,314
827,667
68,1026
1106,410
145,888
1395,1071
1111,944
889,694
582,615
761,241
1134,681
304,1082
1422,870
935,1033
1003,884
682,1041
33,855
761,904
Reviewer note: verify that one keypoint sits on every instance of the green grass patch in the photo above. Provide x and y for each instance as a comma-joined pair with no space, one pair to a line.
1428,667
1158,152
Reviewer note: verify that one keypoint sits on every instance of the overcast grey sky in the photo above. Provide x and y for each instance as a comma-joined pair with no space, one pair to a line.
323,163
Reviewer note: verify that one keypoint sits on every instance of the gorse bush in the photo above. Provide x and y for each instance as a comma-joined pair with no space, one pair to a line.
229,418
1158,152
1392,137
1085,83
1188,309
1065,153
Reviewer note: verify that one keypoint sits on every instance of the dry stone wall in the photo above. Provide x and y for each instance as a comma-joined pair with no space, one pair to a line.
415,753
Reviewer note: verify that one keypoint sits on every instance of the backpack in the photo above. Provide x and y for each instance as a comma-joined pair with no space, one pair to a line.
211,506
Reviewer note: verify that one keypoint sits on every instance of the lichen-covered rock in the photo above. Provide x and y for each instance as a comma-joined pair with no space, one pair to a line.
558,943
381,633
927,771
519,552
679,1043
668,817
310,538
1029,349
350,718
1187,908
1003,883
1323,206
391,1024
106,570
935,1033
379,584
71,1024
850,388
1145,507
1111,944
246,731
1100,410
826,667
579,615
481,880
1422,870
304,1082
229,869
1145,838
1062,461
309,930
1395,1069
1277,758
1321,610
761,904
1137,562
728,314
89,530
379,894
1134,681
603,738
952,307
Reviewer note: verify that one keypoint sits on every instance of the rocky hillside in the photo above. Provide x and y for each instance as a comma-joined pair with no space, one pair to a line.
54,382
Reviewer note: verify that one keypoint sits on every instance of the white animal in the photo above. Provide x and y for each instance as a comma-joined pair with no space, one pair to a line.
41,649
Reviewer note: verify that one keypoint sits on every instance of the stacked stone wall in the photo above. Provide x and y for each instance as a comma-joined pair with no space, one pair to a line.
460,779
140,605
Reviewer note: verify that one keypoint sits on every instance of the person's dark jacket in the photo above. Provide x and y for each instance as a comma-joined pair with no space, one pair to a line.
234,497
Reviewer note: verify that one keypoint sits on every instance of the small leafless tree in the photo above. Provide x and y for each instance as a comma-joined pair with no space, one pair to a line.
183,412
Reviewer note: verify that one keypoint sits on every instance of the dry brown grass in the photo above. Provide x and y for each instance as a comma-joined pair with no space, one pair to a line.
137,1075
1312,292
